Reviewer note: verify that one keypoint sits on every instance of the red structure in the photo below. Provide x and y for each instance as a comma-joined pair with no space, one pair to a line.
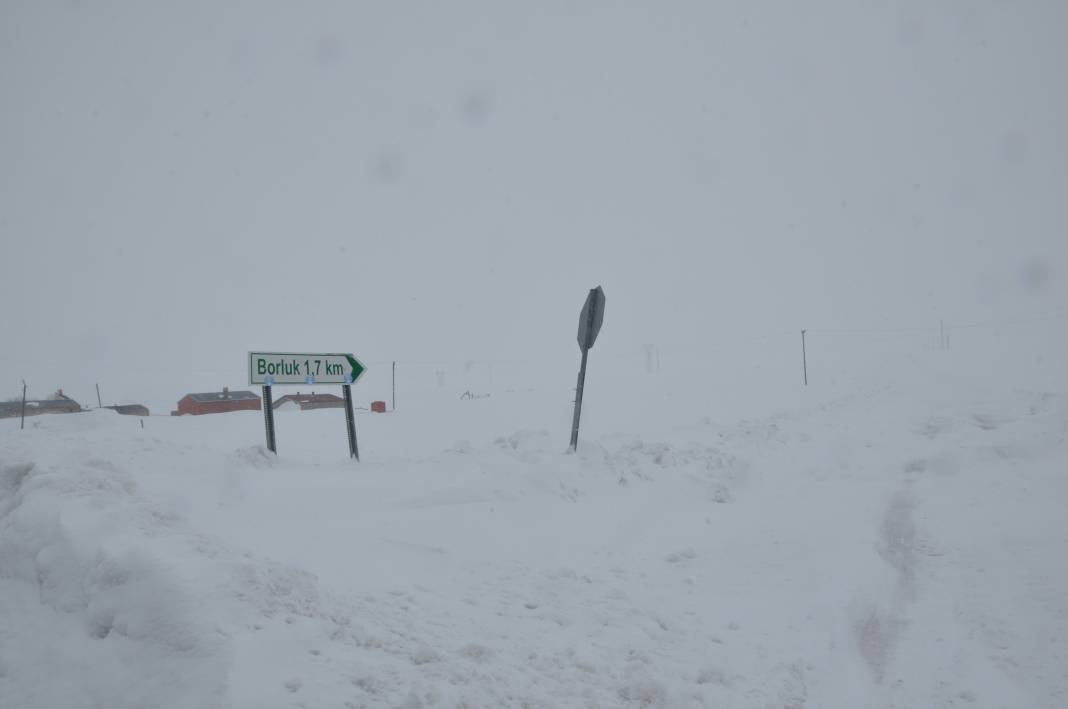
306,402
217,402
379,407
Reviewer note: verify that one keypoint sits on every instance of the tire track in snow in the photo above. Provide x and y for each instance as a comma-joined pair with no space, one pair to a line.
897,540
878,630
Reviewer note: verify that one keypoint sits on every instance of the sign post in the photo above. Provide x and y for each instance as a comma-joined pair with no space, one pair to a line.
590,320
350,418
302,368
268,419
269,369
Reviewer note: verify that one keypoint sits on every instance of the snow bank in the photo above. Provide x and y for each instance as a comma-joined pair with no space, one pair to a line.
93,614
893,546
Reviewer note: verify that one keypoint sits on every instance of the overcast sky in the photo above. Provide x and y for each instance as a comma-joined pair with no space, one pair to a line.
181,182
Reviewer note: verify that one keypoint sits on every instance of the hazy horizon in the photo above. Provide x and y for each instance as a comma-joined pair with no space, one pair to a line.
183,183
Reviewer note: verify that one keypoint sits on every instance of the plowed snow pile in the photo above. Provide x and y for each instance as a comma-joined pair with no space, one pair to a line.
900,546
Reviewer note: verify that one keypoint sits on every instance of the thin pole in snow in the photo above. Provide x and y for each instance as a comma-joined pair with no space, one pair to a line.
578,399
804,357
350,422
268,419
591,317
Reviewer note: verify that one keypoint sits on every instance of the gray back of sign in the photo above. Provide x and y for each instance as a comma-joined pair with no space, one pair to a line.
589,327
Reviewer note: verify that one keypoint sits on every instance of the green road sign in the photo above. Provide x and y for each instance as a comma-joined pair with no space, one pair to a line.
274,368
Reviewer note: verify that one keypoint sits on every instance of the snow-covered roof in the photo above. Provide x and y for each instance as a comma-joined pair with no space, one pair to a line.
223,396
65,404
310,397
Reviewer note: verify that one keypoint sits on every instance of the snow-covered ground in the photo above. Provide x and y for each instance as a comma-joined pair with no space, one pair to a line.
891,539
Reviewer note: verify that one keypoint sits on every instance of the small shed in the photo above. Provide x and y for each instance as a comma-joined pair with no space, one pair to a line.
129,409
306,402
217,402
60,403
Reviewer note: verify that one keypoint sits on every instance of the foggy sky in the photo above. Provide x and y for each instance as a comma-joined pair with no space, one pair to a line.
183,182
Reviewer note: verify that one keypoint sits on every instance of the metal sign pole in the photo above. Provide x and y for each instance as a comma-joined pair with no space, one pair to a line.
268,419
578,400
350,418
270,369
589,325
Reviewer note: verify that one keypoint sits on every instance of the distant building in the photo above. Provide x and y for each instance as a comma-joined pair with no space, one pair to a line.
306,402
129,409
217,402
60,403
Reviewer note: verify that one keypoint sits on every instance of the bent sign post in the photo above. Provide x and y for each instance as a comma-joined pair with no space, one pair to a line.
269,369
590,320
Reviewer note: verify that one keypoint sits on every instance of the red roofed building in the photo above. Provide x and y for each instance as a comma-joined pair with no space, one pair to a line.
217,402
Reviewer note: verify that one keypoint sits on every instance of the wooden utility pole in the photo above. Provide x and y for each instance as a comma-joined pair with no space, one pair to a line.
22,425
99,404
